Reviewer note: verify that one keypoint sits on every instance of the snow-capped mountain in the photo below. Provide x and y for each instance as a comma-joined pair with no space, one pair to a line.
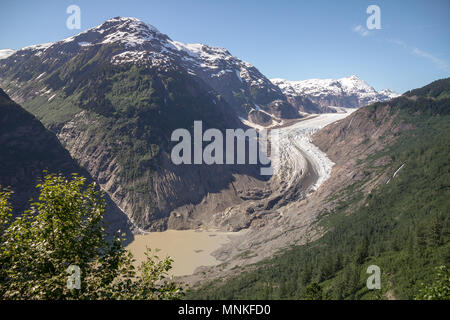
350,92
114,95
387,94
129,41
5,53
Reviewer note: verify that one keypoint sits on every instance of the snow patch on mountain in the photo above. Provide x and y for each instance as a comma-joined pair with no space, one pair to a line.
335,92
127,30
146,58
238,82
5,53
38,47
149,43
204,55
389,94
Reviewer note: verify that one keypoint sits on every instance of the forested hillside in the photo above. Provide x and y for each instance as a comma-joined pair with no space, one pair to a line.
402,226
27,149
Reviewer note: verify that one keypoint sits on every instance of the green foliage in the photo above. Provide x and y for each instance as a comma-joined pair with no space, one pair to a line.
402,227
58,110
436,89
5,209
65,227
314,292
440,289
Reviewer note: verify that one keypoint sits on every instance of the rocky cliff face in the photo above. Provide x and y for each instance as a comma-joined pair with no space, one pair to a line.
177,197
343,140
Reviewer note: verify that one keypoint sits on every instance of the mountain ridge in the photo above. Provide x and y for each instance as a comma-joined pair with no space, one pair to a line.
116,120
350,91
249,93
239,82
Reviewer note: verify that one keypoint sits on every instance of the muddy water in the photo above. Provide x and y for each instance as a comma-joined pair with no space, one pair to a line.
189,248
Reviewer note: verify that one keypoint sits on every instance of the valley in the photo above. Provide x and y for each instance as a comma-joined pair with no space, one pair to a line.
367,212
359,175
300,170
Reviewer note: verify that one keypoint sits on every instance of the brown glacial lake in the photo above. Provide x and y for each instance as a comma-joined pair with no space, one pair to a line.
189,248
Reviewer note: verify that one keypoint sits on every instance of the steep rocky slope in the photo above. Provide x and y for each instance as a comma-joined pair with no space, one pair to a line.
115,93
27,150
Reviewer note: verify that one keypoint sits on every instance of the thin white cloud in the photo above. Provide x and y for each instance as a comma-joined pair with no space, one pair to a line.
440,63
398,42
359,29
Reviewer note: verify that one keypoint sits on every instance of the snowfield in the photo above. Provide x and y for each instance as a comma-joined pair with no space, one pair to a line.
5,53
350,86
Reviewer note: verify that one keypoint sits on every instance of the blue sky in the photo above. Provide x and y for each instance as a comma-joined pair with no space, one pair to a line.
287,39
